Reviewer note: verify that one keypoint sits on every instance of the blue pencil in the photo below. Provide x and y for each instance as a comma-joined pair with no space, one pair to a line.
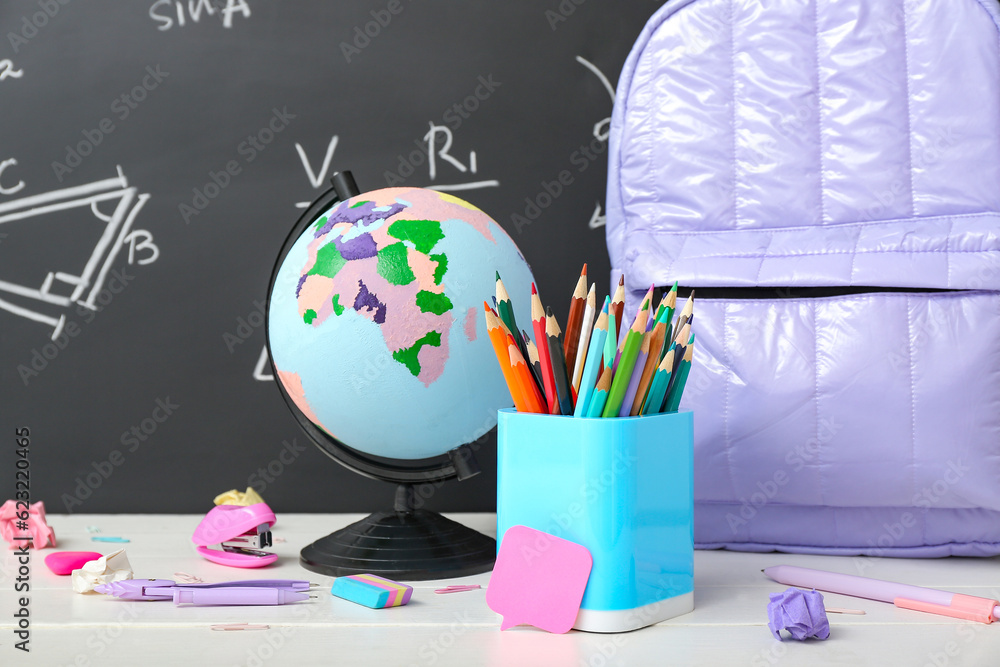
593,364
600,398
658,385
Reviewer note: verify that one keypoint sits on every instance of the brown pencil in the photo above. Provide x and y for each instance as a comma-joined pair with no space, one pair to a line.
571,339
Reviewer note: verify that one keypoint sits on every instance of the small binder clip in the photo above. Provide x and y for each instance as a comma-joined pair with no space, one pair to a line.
235,535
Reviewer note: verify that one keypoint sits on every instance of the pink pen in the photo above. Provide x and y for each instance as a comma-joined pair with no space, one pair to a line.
918,598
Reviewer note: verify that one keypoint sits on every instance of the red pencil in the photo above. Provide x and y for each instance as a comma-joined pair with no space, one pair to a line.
548,379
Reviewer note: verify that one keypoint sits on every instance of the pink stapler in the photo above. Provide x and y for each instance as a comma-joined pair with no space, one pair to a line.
234,535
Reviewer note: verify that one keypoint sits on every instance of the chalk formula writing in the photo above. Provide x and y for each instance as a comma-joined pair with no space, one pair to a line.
170,13
7,70
10,186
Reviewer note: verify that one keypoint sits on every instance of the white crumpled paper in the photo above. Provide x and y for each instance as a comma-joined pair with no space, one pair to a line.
104,570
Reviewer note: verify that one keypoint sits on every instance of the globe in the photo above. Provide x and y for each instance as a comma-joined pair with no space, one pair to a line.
375,322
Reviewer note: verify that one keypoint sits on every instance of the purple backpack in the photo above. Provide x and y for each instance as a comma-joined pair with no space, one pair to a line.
842,159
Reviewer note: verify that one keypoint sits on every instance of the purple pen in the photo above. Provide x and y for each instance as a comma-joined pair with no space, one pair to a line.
236,596
246,592
918,598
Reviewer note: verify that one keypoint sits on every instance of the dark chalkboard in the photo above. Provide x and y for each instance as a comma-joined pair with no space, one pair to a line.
154,156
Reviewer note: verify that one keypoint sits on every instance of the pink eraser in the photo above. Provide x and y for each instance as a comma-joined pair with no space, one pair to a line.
538,580
64,562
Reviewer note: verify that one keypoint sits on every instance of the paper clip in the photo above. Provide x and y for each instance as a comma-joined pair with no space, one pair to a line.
186,578
93,529
457,589
230,627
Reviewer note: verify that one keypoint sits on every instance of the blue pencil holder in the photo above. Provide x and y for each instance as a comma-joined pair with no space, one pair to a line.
623,488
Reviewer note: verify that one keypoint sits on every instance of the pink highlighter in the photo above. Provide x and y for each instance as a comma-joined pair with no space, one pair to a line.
234,535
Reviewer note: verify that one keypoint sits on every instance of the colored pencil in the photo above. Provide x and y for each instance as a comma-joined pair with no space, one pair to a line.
658,387
633,383
506,312
618,305
534,362
673,400
685,315
670,301
503,358
682,341
630,352
554,336
538,324
533,399
647,298
600,397
577,304
592,366
610,344
586,328
656,338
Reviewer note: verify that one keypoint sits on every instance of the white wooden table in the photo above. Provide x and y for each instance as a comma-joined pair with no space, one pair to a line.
728,626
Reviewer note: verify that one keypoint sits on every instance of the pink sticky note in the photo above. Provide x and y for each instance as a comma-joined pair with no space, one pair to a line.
538,579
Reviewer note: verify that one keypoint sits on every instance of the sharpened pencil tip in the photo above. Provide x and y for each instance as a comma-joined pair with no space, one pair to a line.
533,290
498,275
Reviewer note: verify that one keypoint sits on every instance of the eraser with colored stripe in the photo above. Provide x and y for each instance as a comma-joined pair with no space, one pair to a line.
372,591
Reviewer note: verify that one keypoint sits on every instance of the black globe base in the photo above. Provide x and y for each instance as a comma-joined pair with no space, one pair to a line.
406,544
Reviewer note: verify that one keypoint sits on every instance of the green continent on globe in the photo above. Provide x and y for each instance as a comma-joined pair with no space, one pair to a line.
442,266
408,355
429,302
393,266
366,259
328,261
423,233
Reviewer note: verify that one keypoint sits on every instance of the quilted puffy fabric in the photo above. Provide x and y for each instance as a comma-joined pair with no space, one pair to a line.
815,143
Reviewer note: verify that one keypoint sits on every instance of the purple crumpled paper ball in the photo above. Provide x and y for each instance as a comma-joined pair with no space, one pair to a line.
800,612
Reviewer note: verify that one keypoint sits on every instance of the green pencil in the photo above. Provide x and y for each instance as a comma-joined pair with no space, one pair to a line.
506,312
626,365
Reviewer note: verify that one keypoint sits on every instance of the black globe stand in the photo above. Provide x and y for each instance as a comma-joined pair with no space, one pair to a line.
406,543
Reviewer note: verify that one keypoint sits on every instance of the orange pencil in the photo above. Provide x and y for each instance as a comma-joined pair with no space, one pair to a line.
503,358
534,400
571,337
548,379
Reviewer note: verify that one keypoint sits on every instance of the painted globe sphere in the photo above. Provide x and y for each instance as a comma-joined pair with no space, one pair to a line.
376,326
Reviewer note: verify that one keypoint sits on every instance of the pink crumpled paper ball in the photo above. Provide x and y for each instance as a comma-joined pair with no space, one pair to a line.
34,525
